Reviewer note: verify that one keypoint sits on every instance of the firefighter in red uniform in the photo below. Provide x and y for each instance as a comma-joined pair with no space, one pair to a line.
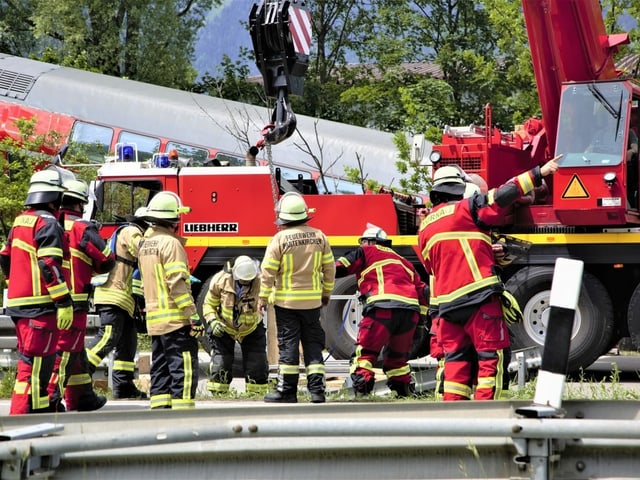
393,297
456,247
38,298
172,319
88,254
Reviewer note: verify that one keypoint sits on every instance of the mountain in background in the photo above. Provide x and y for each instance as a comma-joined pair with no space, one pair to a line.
225,32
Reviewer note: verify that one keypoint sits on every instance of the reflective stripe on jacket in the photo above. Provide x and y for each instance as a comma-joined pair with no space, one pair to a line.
88,254
166,281
33,257
117,290
298,268
455,242
238,313
385,278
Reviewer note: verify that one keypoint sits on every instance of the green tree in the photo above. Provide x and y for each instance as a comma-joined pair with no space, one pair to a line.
150,41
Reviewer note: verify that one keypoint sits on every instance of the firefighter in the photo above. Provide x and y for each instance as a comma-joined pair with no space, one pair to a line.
231,309
456,247
297,278
38,298
172,320
393,300
88,253
115,302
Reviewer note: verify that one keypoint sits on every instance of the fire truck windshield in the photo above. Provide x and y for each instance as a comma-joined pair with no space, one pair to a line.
593,124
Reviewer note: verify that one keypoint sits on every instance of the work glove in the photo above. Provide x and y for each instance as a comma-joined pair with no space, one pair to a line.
217,328
325,300
197,329
510,308
64,316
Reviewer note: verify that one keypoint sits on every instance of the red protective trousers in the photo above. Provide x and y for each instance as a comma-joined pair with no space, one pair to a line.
481,343
37,340
390,328
70,379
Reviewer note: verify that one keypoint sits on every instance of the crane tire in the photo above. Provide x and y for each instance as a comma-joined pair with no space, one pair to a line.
593,322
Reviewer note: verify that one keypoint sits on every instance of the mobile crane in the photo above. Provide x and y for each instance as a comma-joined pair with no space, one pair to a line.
589,210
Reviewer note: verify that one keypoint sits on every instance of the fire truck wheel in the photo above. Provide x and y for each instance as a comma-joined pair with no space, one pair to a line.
593,322
340,319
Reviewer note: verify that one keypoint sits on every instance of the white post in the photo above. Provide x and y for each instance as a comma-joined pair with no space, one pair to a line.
565,291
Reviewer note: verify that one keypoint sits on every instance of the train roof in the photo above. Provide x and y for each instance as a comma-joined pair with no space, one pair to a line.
189,117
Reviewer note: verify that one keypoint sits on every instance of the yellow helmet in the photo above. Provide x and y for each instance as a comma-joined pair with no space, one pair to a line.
165,206
244,268
292,208
77,189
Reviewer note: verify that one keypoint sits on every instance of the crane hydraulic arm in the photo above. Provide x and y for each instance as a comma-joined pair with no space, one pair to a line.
568,43
281,36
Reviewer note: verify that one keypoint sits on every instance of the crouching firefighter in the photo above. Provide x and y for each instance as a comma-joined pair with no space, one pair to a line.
231,309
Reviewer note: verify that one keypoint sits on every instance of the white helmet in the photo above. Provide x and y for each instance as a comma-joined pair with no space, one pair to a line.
77,189
470,189
292,208
244,268
45,186
376,234
165,206
448,179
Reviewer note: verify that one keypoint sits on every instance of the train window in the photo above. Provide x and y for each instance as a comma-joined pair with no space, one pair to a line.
147,146
90,141
193,156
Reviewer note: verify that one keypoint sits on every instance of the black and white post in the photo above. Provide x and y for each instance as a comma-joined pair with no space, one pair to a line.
565,292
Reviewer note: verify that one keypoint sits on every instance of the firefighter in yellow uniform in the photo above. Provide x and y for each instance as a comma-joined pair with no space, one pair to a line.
298,275
115,302
172,320
231,309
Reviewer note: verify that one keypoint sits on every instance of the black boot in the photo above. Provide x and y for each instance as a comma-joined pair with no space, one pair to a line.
402,390
316,387
279,397
128,392
89,403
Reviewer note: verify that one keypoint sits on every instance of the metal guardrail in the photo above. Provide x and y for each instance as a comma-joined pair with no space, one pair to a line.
488,440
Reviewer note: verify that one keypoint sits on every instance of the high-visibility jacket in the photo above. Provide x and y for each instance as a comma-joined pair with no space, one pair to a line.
233,304
298,268
31,260
117,289
455,242
385,278
88,254
166,281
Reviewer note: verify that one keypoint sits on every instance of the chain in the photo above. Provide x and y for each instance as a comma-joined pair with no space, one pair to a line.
274,187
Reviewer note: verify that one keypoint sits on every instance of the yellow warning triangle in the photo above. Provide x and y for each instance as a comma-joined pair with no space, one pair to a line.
575,189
